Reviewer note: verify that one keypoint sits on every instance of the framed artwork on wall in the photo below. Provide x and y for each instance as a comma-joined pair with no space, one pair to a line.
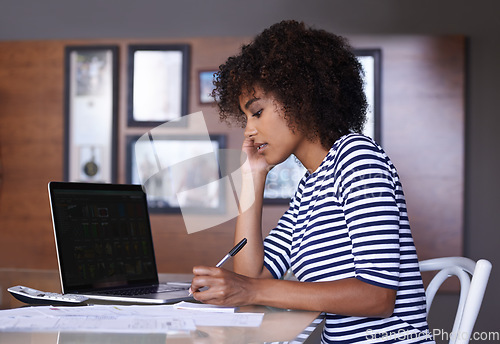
178,172
157,84
90,108
205,82
282,180
370,60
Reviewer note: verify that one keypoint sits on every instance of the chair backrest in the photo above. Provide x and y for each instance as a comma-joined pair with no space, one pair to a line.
471,290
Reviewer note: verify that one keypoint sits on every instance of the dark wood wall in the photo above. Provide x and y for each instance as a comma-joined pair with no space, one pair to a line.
422,130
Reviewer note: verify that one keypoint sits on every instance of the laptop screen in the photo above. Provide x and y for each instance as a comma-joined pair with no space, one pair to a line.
103,236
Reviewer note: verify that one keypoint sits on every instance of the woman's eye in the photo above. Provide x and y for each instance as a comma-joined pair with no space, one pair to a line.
257,114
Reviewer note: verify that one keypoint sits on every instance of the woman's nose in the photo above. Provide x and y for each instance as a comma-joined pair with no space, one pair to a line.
250,131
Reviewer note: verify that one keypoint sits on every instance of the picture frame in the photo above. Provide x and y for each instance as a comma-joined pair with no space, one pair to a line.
158,84
178,172
283,179
90,107
205,86
371,60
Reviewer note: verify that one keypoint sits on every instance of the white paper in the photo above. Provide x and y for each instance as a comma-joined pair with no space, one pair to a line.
122,319
203,307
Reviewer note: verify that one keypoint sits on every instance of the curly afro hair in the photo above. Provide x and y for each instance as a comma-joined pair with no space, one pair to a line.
313,74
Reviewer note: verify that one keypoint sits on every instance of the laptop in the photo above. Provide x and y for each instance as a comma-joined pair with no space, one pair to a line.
104,244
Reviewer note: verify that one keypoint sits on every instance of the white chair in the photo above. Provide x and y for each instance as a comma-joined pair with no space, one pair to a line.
471,290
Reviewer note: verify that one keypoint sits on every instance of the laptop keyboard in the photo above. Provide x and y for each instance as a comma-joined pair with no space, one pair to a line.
143,290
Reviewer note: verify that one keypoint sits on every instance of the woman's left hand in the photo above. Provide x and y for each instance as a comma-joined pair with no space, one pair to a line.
225,288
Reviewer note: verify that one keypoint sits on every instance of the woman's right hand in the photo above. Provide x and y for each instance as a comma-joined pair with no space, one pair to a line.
255,163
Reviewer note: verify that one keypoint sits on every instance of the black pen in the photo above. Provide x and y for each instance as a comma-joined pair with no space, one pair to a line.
233,251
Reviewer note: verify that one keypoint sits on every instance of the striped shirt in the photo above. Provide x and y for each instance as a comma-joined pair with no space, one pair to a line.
348,219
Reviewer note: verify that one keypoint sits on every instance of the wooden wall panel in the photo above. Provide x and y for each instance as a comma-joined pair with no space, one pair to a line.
31,133
422,130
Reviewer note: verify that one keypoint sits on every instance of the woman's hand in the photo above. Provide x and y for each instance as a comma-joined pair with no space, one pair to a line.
255,163
225,288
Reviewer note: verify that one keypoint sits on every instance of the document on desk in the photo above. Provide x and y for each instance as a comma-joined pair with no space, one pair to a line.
203,307
129,319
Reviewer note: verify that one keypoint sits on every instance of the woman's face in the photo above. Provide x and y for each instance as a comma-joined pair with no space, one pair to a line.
268,128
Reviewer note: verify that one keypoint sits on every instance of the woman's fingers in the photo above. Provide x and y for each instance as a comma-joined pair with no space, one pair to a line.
220,286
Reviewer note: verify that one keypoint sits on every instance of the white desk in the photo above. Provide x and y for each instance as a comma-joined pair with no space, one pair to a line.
277,325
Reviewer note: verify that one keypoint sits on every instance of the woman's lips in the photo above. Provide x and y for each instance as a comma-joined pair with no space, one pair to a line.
261,146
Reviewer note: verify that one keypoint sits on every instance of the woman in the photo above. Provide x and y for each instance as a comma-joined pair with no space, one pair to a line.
346,234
